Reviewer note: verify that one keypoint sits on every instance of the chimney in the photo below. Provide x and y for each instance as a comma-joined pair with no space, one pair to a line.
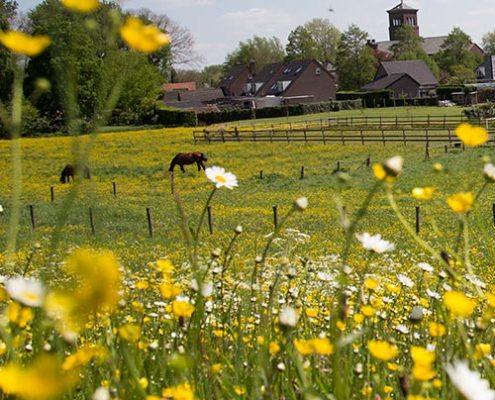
252,67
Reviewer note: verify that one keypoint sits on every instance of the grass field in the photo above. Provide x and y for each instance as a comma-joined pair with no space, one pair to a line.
309,319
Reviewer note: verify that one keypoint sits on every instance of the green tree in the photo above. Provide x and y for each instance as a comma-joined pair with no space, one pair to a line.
488,42
211,76
461,74
316,39
456,51
260,49
356,64
8,9
409,47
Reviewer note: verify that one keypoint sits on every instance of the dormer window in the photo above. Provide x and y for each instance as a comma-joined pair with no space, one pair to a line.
286,71
299,69
318,71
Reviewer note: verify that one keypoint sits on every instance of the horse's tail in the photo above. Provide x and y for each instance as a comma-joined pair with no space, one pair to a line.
63,175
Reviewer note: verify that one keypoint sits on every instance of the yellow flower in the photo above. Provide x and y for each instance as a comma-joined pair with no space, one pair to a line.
461,202
420,355
366,391
491,299
303,347
388,170
83,356
82,6
130,332
322,346
482,350
388,389
273,348
143,38
459,304
368,311
239,390
179,392
382,350
44,379
358,318
423,193
165,267
471,135
169,290
371,284
182,308
21,43
19,315
216,368
436,330
311,312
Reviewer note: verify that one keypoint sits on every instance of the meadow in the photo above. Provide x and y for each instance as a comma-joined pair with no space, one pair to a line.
303,311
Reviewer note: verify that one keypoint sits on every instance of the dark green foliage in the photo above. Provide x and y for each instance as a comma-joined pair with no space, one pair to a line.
444,92
356,64
481,111
260,49
8,10
174,117
384,98
229,115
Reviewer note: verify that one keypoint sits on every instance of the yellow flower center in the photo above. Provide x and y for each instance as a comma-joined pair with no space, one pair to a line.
220,178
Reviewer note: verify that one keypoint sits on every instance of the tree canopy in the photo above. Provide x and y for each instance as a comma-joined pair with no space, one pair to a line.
316,39
260,49
488,42
356,64
8,9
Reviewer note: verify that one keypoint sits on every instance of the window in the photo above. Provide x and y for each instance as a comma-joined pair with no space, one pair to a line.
318,71
286,71
299,69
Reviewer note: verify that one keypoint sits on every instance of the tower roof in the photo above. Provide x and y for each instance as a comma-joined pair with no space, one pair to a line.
402,7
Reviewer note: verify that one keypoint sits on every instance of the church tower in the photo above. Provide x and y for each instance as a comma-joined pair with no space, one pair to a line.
402,15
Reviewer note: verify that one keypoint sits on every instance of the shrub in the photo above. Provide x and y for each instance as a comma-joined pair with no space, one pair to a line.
445,92
370,99
175,117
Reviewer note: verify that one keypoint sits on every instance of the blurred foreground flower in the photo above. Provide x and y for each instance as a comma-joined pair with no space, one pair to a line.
489,172
423,193
29,292
21,43
471,135
97,291
461,202
375,242
288,317
469,383
179,392
43,379
221,178
459,304
388,170
382,350
1,209
301,203
82,6
143,38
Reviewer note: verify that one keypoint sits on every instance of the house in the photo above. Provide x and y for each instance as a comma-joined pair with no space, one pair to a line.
258,80
404,15
197,100
181,86
404,78
234,82
486,70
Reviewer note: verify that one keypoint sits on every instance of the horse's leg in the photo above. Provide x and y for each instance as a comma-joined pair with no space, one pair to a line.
199,165
182,168
203,165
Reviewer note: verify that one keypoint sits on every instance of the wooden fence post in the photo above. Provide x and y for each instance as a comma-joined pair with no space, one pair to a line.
383,137
493,210
92,221
210,221
33,217
302,173
338,166
417,219
446,149
368,161
275,217
427,152
52,194
114,189
150,224
261,174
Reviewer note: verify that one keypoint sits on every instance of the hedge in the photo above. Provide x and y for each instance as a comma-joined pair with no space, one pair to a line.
371,98
175,117
445,92
228,115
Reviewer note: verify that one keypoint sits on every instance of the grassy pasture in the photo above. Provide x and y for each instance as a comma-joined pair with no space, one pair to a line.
302,325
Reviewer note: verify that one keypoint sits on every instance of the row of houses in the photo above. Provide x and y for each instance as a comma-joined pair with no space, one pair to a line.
309,81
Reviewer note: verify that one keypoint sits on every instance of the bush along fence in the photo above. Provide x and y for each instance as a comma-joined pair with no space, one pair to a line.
418,129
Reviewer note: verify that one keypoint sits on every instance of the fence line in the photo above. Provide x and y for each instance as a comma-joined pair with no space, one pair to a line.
342,135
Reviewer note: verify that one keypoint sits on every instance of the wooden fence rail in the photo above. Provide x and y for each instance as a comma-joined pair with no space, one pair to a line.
342,135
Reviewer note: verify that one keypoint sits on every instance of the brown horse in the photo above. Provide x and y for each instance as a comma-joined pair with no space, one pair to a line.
182,159
70,171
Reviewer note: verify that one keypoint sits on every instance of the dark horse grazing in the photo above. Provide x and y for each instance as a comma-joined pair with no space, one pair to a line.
70,171
182,159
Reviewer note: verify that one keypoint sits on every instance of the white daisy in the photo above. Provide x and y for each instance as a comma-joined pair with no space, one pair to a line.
221,178
27,291
301,203
375,243
405,280
288,317
425,267
489,172
433,294
468,382
395,164
1,209
102,393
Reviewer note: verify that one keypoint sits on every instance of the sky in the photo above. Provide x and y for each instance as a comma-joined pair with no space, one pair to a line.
219,25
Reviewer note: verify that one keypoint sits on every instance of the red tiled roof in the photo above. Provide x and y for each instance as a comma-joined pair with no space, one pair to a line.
190,86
